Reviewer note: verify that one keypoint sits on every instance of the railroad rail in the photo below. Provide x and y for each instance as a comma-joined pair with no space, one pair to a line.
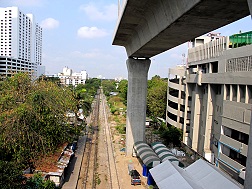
90,172
112,170
88,167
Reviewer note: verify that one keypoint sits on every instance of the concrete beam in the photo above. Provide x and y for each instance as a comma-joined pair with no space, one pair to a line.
147,28
136,101
248,176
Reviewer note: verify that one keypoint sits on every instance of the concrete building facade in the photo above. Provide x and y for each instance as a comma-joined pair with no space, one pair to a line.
68,77
20,41
177,115
218,101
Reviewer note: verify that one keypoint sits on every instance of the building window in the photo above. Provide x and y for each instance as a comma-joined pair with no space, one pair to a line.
249,87
242,93
218,90
227,92
214,67
234,92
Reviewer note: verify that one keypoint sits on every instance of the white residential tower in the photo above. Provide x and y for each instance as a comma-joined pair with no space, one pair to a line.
20,41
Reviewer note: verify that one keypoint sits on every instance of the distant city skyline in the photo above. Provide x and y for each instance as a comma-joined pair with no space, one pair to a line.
79,34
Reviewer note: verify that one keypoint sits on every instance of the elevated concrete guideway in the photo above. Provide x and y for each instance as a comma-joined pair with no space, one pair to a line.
149,27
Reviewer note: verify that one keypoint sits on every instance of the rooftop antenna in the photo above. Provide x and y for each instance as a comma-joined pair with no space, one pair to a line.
183,59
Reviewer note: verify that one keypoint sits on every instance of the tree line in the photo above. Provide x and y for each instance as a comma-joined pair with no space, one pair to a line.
33,123
156,106
156,95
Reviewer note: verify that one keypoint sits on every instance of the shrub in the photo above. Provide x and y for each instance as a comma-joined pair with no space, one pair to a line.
121,128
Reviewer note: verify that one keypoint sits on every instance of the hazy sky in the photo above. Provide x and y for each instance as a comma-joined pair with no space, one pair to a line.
79,34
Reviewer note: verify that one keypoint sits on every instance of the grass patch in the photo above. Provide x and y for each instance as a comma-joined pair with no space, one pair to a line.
121,128
97,179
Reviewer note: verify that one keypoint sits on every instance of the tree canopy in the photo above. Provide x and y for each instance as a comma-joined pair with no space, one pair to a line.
156,97
84,94
33,119
108,86
122,89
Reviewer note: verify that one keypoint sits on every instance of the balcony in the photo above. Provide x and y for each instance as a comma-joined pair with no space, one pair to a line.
191,78
172,122
230,163
236,145
175,112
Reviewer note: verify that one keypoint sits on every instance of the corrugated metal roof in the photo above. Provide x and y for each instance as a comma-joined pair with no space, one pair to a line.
161,150
146,154
199,175
163,153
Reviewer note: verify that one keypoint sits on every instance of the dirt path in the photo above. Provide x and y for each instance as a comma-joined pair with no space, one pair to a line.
107,168
111,166
112,163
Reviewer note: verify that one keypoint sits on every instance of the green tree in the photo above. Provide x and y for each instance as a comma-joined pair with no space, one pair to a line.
108,86
84,98
10,175
52,79
156,97
33,118
122,89
37,182
172,135
92,85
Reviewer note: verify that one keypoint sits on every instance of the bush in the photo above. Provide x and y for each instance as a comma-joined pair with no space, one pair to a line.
113,110
172,135
37,182
10,175
121,128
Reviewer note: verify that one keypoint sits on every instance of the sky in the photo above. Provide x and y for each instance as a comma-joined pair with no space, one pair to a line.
79,33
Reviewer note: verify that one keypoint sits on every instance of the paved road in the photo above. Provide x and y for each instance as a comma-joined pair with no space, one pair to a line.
73,170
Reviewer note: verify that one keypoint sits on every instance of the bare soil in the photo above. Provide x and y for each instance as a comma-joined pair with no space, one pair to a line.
121,161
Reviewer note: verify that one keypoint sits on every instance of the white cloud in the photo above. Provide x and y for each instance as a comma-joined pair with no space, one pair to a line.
25,3
91,32
49,23
109,12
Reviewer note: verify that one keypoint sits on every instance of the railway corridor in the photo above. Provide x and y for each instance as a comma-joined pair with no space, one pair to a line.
105,150
98,169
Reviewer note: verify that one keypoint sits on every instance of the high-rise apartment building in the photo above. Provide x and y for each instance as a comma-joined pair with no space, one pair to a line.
20,42
216,105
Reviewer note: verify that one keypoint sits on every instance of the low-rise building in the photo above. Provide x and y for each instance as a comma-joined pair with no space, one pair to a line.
68,77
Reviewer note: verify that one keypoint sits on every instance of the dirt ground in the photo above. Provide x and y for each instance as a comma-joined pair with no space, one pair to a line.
122,165
121,161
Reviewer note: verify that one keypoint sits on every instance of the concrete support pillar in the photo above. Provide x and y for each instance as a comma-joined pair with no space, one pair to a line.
195,117
248,176
250,6
238,93
247,95
136,101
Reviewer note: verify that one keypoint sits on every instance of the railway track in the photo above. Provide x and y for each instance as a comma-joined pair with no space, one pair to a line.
112,170
98,172
87,178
